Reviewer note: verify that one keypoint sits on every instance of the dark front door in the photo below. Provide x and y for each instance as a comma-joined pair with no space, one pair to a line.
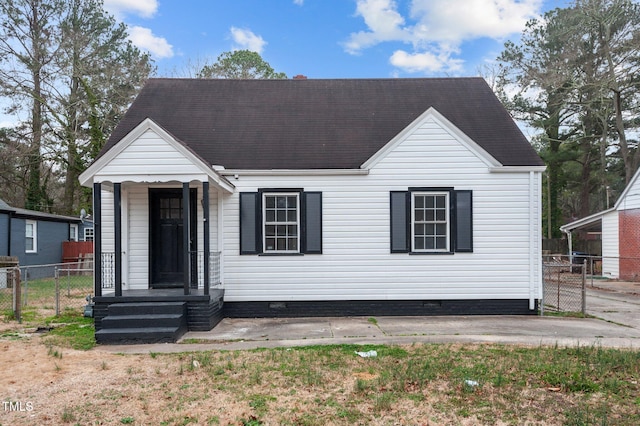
166,236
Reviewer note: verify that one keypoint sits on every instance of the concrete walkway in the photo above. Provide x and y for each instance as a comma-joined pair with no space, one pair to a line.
617,325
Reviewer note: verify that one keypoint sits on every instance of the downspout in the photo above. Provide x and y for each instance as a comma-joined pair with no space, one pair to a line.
570,240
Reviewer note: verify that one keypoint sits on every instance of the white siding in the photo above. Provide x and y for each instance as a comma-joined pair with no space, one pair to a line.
106,211
610,245
137,252
152,159
356,263
632,197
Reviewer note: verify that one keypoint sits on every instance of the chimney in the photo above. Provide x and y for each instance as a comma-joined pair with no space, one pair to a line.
300,77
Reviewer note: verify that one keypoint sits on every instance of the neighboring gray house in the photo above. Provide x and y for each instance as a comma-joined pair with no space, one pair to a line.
317,197
35,238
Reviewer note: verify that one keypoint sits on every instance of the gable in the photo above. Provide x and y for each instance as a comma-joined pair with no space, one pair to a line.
432,134
318,124
630,197
150,154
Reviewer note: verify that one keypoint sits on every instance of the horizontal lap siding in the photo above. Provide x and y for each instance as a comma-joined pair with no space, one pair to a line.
632,197
138,241
106,211
149,155
356,263
610,245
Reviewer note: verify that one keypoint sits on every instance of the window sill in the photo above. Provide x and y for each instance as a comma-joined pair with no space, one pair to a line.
431,253
280,254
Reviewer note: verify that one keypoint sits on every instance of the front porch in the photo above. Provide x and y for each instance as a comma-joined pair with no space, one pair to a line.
155,315
156,281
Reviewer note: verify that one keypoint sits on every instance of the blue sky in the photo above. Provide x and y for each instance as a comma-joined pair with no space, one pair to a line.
330,38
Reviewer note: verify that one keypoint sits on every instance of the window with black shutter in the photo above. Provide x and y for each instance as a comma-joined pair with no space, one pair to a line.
431,221
281,221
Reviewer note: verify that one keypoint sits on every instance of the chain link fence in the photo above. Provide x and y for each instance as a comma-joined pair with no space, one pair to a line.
45,290
9,298
564,284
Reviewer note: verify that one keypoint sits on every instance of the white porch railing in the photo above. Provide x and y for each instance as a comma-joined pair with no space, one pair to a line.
197,269
197,272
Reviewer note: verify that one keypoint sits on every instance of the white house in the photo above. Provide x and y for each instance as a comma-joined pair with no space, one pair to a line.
620,230
317,197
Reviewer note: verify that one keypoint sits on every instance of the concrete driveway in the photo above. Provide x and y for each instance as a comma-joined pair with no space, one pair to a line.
617,302
617,325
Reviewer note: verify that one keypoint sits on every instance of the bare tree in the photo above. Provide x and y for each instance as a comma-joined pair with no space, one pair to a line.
29,35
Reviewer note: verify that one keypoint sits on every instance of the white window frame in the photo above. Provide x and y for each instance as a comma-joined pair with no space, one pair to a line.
287,223
446,222
73,232
33,225
88,234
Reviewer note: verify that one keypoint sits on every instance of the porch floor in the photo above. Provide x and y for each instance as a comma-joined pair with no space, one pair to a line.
161,295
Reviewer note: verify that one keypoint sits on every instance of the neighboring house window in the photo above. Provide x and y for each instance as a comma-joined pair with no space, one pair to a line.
88,234
31,236
73,232
281,221
431,221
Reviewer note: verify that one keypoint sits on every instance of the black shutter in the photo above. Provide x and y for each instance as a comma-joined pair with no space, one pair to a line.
463,221
399,222
250,240
312,222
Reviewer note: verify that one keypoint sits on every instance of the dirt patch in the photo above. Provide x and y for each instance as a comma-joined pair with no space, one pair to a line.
47,385
413,385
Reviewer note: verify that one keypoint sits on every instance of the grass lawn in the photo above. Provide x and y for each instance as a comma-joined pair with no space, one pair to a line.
39,296
417,384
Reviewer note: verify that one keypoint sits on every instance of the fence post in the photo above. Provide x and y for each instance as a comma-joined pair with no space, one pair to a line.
558,290
57,280
17,291
584,287
26,286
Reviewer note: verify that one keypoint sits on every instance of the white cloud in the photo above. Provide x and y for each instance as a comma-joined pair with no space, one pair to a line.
384,23
298,2
459,20
245,39
425,61
142,8
437,28
144,39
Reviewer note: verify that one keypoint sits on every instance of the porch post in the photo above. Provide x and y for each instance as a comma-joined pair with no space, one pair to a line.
205,214
186,234
117,214
97,239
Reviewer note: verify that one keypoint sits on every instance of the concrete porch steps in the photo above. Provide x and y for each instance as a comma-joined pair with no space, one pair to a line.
143,322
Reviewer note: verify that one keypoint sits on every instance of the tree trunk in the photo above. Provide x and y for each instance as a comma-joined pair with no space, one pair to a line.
34,198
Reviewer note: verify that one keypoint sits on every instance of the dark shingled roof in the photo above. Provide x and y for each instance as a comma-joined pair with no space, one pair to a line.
318,124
